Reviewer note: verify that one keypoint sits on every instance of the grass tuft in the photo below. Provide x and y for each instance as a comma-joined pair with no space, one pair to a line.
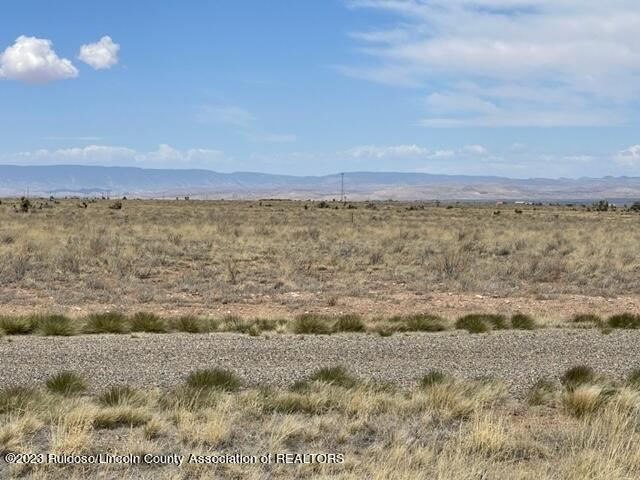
423,323
624,320
521,321
587,318
633,379
349,323
16,399
109,322
312,324
55,325
117,395
66,383
434,377
577,376
148,322
214,379
542,392
336,376
189,324
473,324
17,325
120,416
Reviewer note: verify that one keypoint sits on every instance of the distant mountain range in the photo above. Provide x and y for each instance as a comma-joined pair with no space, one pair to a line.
74,180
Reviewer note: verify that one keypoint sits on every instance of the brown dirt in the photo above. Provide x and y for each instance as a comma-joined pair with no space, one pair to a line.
552,308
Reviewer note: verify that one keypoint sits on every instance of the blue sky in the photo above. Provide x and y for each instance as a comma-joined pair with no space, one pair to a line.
509,87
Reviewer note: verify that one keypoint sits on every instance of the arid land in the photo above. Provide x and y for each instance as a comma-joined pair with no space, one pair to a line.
418,340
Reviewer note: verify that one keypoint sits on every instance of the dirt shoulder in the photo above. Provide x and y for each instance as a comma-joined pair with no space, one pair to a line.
552,309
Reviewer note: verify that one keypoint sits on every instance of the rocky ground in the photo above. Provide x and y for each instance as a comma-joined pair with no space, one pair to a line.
149,360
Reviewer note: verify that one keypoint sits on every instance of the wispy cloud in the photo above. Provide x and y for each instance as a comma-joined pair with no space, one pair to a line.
508,62
242,120
76,139
108,155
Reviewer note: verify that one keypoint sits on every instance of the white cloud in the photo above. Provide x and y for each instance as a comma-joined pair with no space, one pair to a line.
508,62
100,55
629,157
392,151
475,149
164,156
33,60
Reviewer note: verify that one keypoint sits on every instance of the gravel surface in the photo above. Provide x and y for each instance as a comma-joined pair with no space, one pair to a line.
148,360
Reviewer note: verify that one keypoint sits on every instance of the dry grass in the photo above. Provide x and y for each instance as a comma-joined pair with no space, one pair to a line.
445,428
181,256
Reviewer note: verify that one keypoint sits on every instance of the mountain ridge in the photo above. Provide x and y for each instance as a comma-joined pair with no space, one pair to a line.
85,180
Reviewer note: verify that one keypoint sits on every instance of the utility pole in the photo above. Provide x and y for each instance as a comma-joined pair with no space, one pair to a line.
342,199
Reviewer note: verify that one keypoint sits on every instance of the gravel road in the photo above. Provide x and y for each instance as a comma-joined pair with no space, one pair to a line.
163,360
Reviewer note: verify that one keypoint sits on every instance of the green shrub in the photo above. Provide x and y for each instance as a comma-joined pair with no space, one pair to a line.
66,383
214,379
577,376
624,320
310,323
337,376
109,322
473,324
17,325
433,378
349,323
118,395
148,322
521,321
54,325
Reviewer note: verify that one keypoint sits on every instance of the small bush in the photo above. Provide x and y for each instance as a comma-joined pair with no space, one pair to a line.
66,383
337,376
434,377
576,376
473,324
586,318
189,324
17,325
118,395
312,324
541,393
349,323
55,325
521,321
148,322
117,205
624,320
214,379
110,322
